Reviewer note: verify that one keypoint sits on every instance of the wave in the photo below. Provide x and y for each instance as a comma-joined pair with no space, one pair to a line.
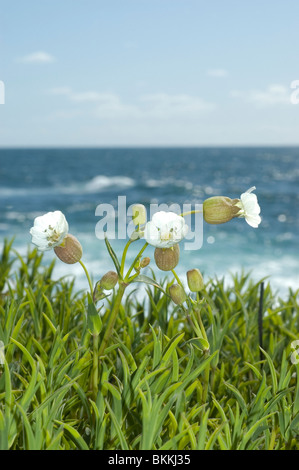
95,185
102,182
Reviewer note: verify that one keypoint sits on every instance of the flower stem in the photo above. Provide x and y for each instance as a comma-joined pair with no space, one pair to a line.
208,367
131,278
202,328
123,260
112,318
190,213
135,261
88,278
95,338
177,279
206,354
206,380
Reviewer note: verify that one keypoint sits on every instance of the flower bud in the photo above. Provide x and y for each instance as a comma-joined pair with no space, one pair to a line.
145,262
220,209
167,258
136,235
109,280
70,251
195,280
139,214
177,294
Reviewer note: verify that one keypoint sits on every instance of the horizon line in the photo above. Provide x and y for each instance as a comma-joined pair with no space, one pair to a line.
163,146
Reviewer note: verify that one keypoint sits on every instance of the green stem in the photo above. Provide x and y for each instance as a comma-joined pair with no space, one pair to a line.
190,213
206,380
123,260
112,318
95,364
202,328
135,261
88,278
177,278
133,277
206,354
95,367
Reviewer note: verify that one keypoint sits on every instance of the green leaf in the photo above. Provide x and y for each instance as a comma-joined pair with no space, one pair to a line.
112,255
202,435
94,321
119,432
238,396
171,347
252,430
272,371
200,343
31,388
148,280
74,435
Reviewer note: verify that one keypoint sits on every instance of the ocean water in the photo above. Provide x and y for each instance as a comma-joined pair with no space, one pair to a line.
76,181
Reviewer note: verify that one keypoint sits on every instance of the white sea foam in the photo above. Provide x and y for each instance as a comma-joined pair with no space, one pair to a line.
102,182
95,185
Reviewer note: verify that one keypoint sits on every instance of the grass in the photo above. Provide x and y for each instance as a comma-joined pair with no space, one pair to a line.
157,389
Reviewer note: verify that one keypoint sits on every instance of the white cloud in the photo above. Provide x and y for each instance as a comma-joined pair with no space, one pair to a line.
165,106
110,106
37,58
150,106
94,97
217,73
275,94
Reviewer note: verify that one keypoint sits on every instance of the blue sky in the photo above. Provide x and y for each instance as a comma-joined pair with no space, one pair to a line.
148,72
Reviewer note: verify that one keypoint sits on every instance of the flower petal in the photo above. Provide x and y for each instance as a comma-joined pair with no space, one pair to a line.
151,234
159,218
250,203
35,232
253,220
49,230
165,230
60,221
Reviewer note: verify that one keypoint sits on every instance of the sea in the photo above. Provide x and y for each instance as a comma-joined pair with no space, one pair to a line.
83,182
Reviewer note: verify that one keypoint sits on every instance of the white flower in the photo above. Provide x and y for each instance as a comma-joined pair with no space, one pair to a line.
49,230
249,208
165,229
